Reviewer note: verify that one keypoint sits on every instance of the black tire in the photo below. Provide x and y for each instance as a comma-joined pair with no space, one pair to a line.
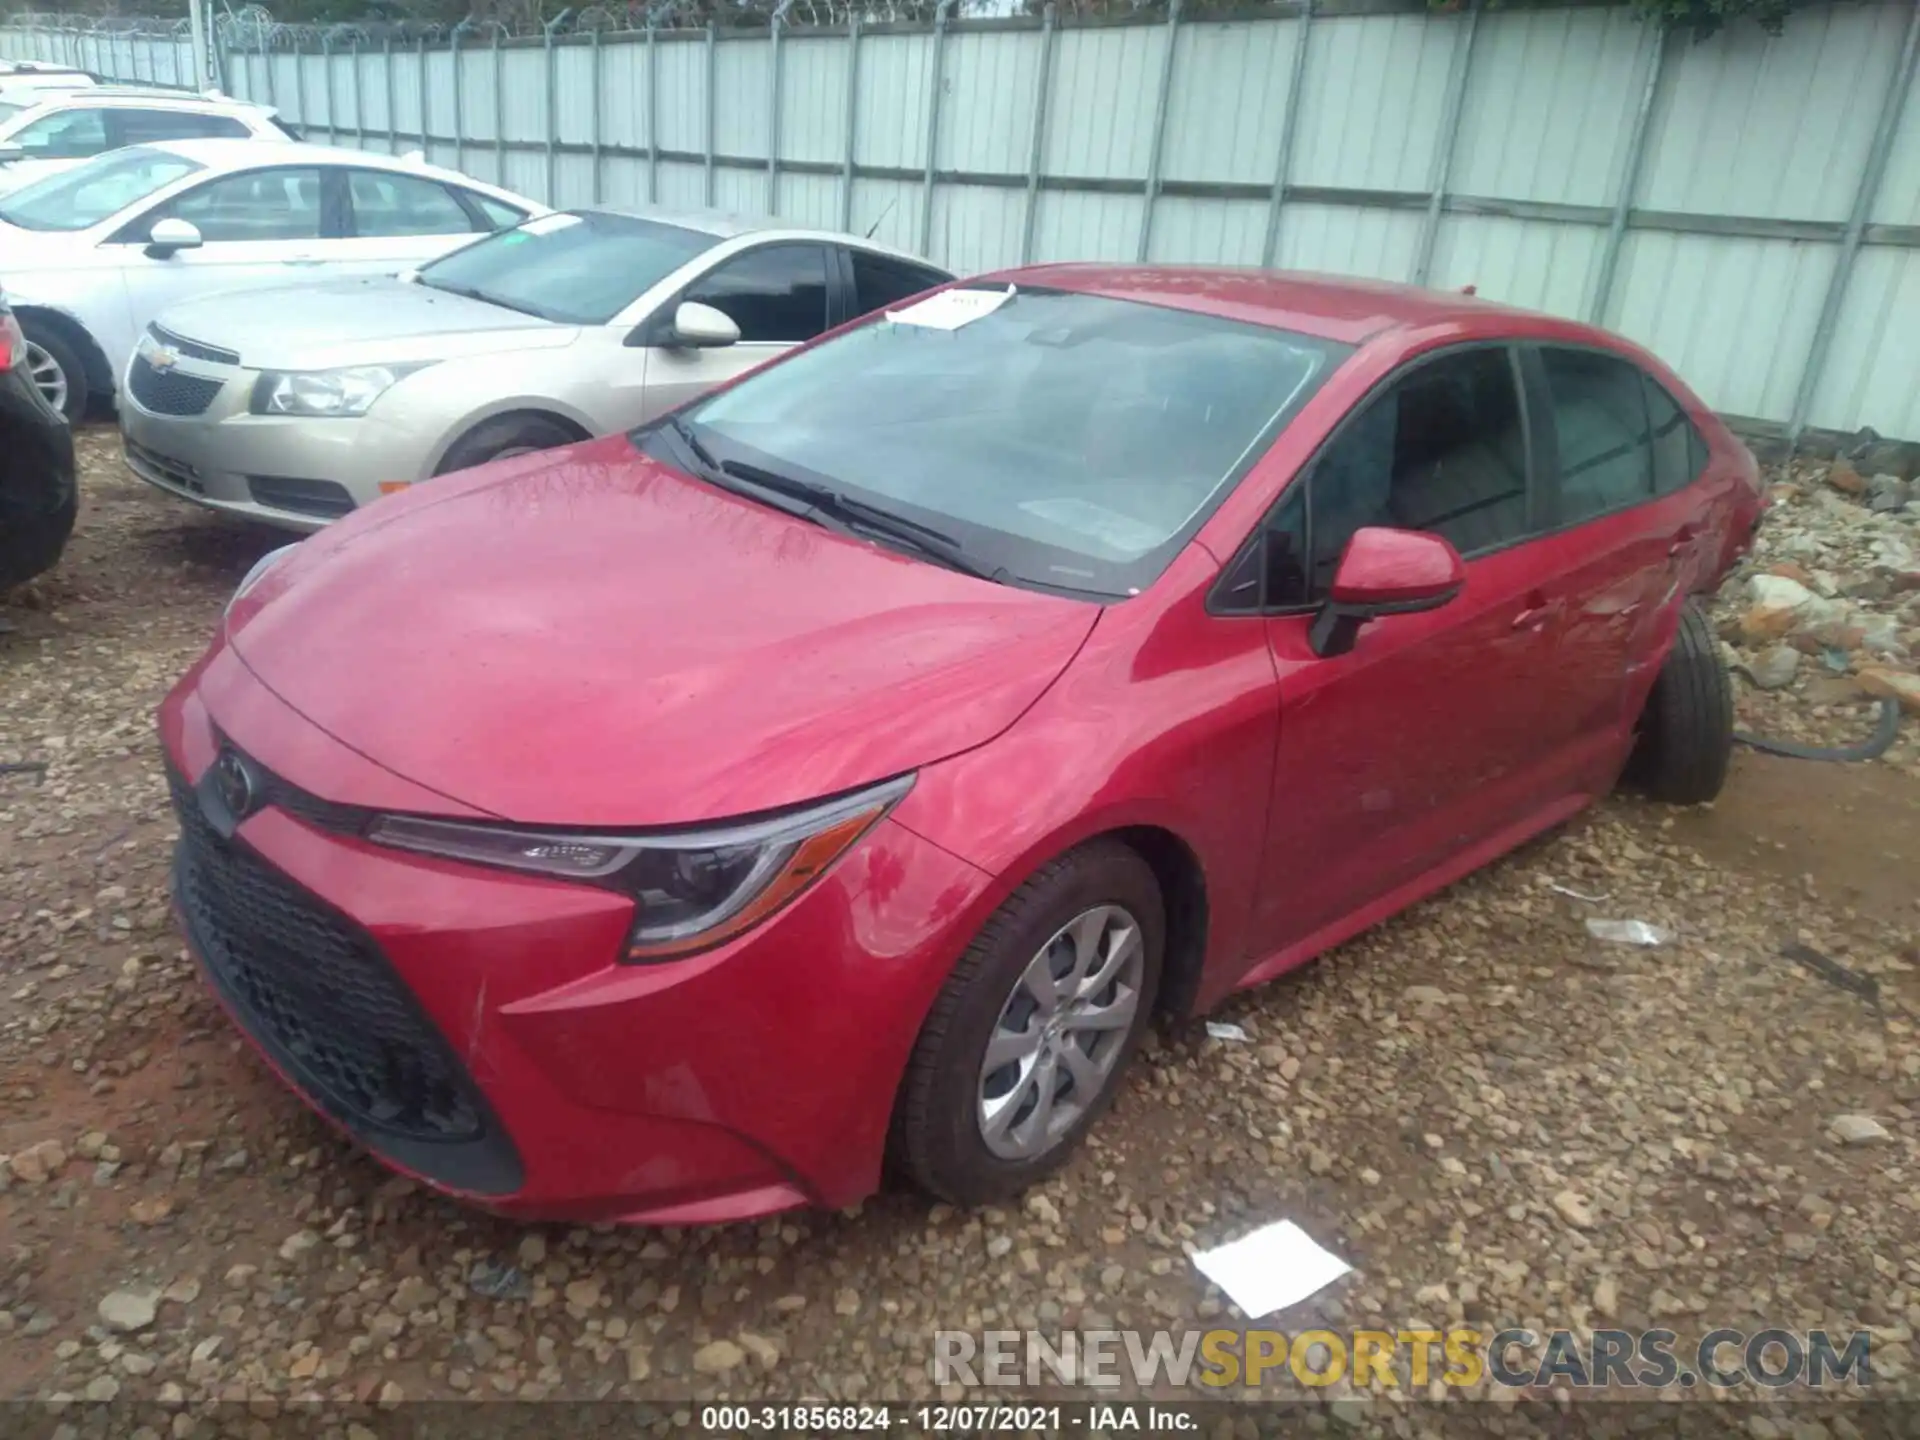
937,1141
60,349
504,435
1686,731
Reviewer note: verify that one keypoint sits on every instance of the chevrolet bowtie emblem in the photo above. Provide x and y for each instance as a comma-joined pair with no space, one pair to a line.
162,358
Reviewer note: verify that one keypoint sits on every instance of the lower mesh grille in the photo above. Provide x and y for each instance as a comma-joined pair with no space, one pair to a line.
315,992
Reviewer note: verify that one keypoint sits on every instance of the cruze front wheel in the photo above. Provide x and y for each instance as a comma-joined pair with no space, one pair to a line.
1024,1047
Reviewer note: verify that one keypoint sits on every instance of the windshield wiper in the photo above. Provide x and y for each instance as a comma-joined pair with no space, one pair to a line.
935,545
485,297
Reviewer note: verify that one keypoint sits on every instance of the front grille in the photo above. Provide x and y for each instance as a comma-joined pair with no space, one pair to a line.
194,348
323,498
317,994
168,392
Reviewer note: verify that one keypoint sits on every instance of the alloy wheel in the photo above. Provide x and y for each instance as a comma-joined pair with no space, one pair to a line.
1061,1032
48,377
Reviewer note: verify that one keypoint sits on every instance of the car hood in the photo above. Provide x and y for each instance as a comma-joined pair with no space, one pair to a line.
364,321
589,638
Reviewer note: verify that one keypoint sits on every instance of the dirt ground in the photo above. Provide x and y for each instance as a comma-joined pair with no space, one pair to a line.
1497,1119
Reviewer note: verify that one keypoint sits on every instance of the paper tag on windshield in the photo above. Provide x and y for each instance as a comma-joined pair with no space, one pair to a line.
951,309
547,224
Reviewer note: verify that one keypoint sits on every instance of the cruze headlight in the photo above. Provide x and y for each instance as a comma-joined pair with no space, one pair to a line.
344,392
692,889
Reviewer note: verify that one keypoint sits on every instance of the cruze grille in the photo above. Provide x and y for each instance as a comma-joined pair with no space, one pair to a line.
168,392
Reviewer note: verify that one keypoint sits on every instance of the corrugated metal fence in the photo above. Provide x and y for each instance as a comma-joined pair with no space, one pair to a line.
1748,207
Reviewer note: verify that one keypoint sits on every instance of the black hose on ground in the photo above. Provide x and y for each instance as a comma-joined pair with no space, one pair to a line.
1872,748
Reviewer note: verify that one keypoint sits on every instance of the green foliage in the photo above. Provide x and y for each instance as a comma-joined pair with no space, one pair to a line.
1701,17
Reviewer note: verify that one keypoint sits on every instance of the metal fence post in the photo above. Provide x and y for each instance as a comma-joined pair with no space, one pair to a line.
426,137
326,81
386,77
773,108
553,99
934,82
1041,88
499,111
1818,352
359,114
711,41
1449,132
300,84
1629,180
1158,142
266,49
853,118
653,119
459,109
1289,129
596,114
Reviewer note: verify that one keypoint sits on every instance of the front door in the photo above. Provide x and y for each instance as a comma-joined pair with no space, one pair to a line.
776,294
1423,744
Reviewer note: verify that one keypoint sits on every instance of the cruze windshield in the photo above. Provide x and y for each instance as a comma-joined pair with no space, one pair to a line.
578,269
1062,440
104,186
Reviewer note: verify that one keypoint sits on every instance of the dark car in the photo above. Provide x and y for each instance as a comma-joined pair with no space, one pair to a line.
38,496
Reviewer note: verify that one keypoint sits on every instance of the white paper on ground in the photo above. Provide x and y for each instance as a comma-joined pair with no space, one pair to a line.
951,309
1276,1266
1226,1030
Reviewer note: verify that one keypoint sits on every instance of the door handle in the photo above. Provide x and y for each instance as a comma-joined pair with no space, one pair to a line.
1682,539
1538,612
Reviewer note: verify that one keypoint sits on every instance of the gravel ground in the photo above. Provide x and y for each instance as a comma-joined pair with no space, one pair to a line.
1496,1118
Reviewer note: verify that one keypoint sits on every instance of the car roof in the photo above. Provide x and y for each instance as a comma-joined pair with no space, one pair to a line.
143,95
1331,307
254,153
727,225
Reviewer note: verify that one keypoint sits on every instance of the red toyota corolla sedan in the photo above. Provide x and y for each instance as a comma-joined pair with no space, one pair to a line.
843,771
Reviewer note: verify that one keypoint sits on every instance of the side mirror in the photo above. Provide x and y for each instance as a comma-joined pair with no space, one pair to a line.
701,327
10,153
1385,572
170,236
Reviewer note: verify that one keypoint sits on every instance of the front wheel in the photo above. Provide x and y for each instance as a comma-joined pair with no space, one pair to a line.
502,438
1024,1046
58,372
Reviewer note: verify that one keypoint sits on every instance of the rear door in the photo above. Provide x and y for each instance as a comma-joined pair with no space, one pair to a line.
776,293
1618,546
257,228
1424,742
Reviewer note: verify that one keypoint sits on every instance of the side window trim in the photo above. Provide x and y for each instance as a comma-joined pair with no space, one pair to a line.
842,302
464,198
1304,476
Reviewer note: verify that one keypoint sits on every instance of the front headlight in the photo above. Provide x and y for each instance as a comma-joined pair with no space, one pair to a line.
691,890
322,393
260,567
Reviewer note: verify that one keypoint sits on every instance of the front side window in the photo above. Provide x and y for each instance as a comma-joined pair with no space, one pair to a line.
881,280
144,127
777,293
1062,440
1441,450
576,269
96,191
386,204
278,204
1600,418
63,135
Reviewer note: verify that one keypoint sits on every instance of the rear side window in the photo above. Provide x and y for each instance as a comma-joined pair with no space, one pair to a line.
386,204
880,280
143,127
500,215
1679,452
1599,411
776,293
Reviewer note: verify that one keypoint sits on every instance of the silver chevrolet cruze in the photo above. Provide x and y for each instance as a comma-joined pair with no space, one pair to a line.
292,406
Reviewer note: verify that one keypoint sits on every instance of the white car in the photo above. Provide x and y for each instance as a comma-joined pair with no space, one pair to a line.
92,255
19,79
53,130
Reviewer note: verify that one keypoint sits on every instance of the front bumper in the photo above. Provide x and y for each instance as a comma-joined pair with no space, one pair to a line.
284,470
749,1079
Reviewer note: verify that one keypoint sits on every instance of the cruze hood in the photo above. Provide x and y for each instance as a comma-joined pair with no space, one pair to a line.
366,321
588,637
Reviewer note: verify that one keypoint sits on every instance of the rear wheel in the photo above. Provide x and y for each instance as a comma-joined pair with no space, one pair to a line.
1025,1045
503,437
1686,730
58,372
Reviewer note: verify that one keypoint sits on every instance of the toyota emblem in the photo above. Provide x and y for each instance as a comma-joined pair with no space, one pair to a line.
235,784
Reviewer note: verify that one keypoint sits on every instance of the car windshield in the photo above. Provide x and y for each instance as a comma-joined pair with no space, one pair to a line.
1061,440
577,269
103,187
